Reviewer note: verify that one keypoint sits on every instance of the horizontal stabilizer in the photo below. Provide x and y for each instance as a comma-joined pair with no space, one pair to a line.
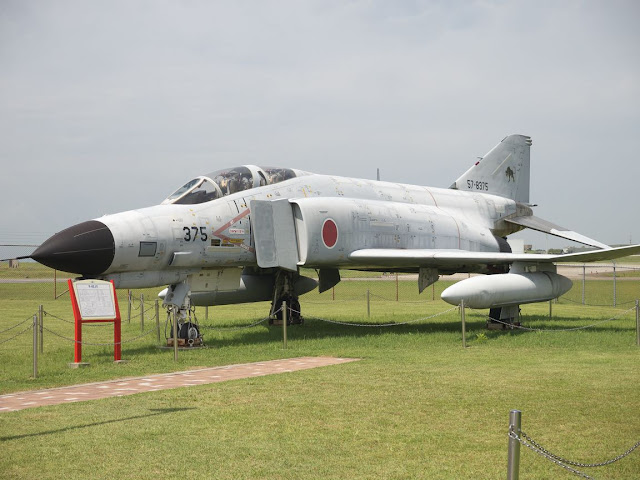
540,225
403,258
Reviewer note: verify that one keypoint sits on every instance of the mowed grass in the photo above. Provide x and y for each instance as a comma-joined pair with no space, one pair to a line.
417,405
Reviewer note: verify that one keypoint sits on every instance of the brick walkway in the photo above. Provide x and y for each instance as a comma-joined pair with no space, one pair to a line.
153,383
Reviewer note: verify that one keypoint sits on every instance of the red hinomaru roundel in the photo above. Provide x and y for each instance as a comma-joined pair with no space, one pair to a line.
329,233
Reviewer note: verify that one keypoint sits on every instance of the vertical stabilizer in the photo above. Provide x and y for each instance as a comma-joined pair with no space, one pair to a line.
504,171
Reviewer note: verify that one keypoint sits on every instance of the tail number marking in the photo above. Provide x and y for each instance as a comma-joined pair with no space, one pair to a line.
476,185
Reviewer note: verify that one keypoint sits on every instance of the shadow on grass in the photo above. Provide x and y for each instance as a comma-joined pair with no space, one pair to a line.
154,412
320,329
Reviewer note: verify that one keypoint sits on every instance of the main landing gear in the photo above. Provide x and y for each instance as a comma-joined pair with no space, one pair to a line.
284,291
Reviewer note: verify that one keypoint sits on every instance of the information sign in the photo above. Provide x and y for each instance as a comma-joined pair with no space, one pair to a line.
94,301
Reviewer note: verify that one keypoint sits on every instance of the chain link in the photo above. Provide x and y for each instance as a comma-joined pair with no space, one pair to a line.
72,322
520,327
233,329
18,324
351,324
577,464
122,342
515,436
531,444
17,334
595,304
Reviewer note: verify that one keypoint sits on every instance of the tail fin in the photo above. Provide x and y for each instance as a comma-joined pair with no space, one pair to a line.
504,171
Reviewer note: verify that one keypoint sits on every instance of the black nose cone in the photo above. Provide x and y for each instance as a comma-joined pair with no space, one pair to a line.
87,248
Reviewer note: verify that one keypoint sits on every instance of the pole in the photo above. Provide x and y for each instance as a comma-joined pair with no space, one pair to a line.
175,335
584,278
158,320
128,306
284,325
41,322
550,309
464,326
637,323
55,284
614,284
35,346
433,292
206,312
142,312
368,304
333,293
513,464
397,296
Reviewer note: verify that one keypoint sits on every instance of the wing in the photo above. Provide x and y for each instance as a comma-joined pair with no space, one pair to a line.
399,258
540,225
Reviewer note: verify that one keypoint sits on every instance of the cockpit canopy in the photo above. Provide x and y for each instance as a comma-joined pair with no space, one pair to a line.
230,180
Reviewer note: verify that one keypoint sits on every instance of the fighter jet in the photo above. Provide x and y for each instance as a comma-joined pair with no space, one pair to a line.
242,234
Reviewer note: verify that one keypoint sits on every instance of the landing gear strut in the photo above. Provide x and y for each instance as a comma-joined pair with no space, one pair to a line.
178,305
284,291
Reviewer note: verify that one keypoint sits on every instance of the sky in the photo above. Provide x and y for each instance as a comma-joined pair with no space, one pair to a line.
107,106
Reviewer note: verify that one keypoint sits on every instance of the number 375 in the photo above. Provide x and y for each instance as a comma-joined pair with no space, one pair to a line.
193,233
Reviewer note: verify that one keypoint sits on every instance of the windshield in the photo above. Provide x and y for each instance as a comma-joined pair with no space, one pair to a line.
225,182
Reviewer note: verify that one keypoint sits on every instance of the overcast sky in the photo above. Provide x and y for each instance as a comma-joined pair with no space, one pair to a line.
111,105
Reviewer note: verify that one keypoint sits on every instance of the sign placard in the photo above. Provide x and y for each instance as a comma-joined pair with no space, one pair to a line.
95,299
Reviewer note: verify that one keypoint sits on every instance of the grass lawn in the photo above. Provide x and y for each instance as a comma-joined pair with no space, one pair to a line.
417,405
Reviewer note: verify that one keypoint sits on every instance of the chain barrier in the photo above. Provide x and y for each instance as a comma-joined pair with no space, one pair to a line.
351,324
594,304
531,444
18,324
233,329
520,327
17,334
244,327
47,314
122,342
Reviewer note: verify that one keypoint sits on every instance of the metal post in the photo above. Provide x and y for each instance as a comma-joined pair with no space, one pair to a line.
637,323
550,309
614,284
513,464
128,306
142,312
206,312
284,324
41,322
433,292
397,296
368,304
584,277
55,284
464,326
175,335
35,346
158,319
333,293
